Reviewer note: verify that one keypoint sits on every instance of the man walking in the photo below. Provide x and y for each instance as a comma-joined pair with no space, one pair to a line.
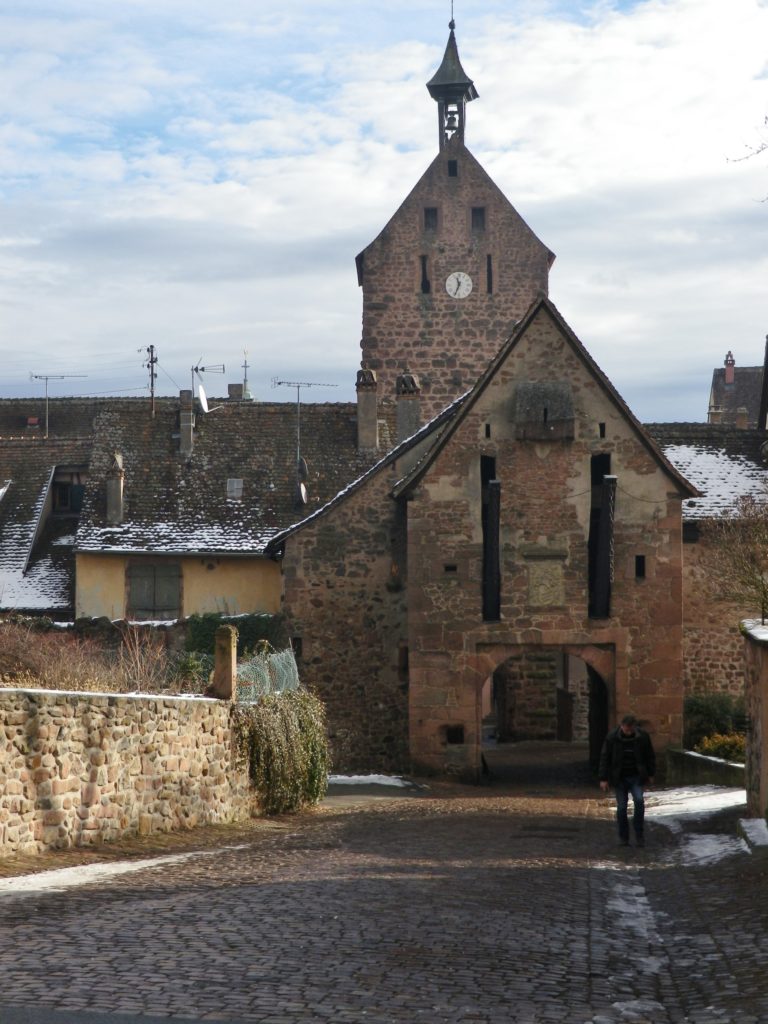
628,763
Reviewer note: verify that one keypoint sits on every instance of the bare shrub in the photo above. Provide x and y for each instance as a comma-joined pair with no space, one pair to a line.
142,661
53,660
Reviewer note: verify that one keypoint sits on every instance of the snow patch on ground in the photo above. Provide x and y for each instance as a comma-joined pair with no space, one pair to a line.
368,780
67,878
668,806
703,850
756,831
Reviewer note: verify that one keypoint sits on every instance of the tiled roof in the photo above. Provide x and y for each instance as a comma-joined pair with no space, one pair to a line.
36,571
723,462
176,504
743,393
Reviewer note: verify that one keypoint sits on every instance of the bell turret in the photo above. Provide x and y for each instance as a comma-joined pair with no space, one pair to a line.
452,89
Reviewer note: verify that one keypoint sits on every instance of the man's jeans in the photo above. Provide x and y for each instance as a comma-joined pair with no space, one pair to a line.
630,784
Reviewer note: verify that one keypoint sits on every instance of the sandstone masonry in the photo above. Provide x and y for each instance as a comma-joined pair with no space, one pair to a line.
82,769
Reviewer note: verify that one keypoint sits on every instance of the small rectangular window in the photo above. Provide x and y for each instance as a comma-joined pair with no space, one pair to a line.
487,430
478,218
430,218
453,734
639,567
453,168
451,568
601,428
489,274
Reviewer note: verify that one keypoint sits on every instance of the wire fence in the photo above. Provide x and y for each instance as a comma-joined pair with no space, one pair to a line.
263,674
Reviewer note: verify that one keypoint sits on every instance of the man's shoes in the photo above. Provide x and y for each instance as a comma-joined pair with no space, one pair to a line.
640,841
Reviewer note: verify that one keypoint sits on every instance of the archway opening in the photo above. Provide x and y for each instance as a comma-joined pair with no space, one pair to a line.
544,713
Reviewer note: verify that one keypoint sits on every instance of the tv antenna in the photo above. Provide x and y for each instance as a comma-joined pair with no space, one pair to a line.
302,472
203,398
151,363
52,376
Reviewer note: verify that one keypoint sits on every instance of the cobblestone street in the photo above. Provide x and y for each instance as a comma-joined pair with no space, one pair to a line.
491,905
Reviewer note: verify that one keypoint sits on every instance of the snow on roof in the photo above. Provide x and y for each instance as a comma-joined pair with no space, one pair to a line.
721,475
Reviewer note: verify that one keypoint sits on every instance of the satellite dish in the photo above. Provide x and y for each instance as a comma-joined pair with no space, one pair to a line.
301,494
203,397
303,469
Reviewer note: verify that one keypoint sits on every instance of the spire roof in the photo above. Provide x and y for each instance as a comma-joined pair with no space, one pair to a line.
451,78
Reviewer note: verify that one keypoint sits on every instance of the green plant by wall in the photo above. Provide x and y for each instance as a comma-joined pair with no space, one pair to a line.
251,631
729,746
281,739
705,714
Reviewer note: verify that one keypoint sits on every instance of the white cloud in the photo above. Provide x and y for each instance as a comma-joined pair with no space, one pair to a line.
172,177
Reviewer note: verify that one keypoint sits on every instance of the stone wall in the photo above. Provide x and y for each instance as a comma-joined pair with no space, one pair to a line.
755,652
344,578
447,341
712,643
82,769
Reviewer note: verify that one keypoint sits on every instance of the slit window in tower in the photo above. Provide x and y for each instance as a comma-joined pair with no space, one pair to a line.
425,285
491,528
430,218
639,567
601,429
453,168
600,543
489,274
478,218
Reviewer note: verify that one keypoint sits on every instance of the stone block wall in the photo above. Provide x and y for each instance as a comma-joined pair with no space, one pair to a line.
344,578
712,643
82,769
755,653
447,341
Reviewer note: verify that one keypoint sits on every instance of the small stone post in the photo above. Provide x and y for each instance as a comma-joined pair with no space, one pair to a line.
225,668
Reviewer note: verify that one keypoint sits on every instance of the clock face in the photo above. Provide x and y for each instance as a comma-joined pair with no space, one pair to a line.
458,285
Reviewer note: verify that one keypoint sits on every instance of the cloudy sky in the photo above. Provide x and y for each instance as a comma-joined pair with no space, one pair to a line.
200,176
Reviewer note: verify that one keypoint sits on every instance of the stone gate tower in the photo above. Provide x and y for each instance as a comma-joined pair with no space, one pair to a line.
454,269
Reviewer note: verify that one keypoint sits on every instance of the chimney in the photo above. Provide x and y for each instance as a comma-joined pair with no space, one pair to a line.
742,419
115,478
235,392
367,409
408,392
186,422
729,364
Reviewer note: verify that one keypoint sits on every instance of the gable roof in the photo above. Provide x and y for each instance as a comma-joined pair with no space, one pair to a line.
36,550
178,504
744,393
453,148
724,462
546,306
427,435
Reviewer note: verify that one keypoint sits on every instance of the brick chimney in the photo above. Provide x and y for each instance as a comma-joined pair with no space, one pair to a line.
367,409
186,423
115,478
408,392
729,364
235,392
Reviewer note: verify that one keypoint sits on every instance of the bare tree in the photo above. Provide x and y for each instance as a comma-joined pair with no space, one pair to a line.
738,553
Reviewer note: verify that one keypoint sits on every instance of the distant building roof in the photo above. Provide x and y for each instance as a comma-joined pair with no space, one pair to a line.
734,398
722,461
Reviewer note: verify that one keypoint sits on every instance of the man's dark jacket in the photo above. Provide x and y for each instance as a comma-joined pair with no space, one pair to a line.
610,757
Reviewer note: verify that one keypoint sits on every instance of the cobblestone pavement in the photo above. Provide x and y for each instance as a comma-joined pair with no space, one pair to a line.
486,906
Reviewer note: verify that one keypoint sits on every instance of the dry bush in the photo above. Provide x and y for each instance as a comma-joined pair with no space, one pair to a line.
58,660
53,660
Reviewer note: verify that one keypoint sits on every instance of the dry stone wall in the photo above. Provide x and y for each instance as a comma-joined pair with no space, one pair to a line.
83,769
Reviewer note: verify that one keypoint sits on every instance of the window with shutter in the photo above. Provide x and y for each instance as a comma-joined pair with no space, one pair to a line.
154,590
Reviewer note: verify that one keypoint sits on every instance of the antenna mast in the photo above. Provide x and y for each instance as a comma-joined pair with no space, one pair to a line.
299,384
52,376
151,362
246,389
